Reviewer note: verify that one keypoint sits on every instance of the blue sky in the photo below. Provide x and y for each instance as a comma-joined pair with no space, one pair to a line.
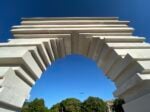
74,74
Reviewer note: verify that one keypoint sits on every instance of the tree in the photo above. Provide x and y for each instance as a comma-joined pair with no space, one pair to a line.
36,105
117,105
94,104
56,108
67,105
71,105
25,107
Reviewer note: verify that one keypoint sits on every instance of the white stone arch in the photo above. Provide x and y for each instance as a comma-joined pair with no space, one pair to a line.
38,42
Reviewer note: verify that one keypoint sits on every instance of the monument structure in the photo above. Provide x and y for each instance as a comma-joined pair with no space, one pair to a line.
38,42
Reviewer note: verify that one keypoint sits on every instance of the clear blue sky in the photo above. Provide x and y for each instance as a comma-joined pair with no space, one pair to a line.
74,74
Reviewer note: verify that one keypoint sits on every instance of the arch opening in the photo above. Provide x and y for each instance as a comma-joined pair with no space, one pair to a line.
69,77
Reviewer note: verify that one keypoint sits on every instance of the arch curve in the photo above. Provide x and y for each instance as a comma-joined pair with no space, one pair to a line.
124,58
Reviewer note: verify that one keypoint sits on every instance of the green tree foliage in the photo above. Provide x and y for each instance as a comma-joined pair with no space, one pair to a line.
71,105
36,105
67,105
117,105
25,107
56,108
94,104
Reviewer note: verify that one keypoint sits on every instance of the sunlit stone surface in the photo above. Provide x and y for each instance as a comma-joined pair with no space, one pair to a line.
38,42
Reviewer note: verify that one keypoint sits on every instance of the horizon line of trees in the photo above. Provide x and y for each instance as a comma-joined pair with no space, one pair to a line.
91,104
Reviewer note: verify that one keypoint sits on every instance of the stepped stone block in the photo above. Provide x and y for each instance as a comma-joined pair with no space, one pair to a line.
40,46
83,45
74,42
61,47
32,49
69,18
129,45
96,48
70,30
135,53
73,22
71,26
24,76
68,45
13,56
41,36
103,55
141,104
55,49
106,34
119,67
120,39
46,42
13,91
130,71
135,80
110,61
